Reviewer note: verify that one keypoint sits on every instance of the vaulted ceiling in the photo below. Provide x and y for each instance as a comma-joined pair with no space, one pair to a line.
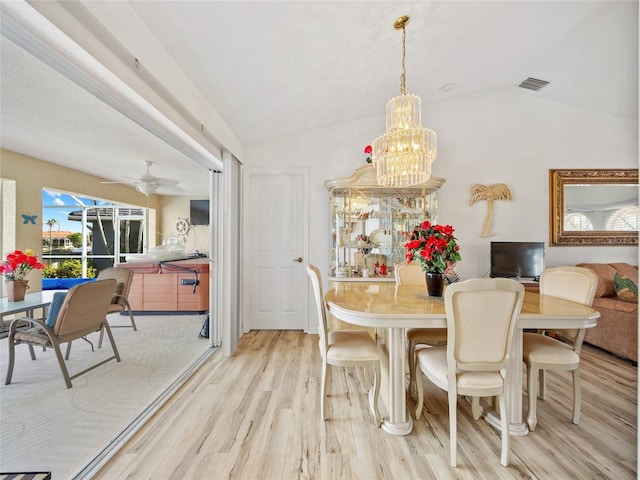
269,69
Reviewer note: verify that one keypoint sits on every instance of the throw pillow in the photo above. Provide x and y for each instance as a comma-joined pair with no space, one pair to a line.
625,288
54,308
626,270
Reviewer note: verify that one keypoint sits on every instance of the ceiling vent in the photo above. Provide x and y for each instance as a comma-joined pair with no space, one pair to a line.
533,84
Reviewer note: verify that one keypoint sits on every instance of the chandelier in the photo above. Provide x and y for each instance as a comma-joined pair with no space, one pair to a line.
403,155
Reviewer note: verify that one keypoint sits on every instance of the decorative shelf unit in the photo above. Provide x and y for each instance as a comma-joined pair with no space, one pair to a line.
367,221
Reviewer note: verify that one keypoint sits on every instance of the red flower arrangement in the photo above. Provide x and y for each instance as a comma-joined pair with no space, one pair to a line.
367,151
18,264
434,246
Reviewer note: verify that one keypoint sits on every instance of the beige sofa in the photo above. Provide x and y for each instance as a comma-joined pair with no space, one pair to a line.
617,329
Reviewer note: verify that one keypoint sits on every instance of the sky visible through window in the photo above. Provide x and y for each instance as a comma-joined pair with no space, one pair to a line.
58,205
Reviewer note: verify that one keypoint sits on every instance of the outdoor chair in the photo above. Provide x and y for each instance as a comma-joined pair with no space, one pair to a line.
83,312
120,300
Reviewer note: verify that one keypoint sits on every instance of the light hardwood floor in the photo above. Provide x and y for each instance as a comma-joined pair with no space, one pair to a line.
256,415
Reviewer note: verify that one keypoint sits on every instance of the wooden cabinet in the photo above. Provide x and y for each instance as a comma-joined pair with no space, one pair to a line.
190,298
181,286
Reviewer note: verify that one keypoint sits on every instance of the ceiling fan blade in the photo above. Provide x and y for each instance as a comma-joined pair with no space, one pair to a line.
164,182
148,183
169,190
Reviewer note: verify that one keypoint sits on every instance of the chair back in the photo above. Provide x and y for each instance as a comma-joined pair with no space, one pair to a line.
84,309
409,274
481,320
371,259
316,282
123,278
576,284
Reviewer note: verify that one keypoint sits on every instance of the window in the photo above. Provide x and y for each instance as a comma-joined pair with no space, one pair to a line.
97,232
625,219
577,222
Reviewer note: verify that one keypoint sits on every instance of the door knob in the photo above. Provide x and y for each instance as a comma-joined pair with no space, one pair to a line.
299,259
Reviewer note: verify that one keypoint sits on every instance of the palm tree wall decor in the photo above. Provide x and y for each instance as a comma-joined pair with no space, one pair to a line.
489,193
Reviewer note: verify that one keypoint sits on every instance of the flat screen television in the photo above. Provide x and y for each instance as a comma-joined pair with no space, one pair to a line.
199,212
517,259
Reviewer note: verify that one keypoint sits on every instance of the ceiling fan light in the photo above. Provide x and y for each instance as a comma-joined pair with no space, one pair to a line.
146,188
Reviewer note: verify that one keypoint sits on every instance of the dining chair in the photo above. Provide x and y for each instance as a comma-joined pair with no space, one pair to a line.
120,300
412,274
481,321
344,348
557,349
83,312
371,259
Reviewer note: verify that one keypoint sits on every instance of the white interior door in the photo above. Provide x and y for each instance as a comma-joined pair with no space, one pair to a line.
275,238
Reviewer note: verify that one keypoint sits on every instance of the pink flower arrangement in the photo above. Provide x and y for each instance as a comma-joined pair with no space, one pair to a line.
433,246
18,264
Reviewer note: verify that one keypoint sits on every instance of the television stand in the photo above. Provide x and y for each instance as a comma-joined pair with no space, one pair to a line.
530,284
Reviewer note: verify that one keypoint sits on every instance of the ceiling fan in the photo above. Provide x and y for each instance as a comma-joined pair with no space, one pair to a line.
149,184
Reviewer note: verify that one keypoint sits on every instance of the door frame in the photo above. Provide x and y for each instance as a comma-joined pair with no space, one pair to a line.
248,174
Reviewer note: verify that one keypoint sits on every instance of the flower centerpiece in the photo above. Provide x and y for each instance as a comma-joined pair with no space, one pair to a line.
15,268
435,248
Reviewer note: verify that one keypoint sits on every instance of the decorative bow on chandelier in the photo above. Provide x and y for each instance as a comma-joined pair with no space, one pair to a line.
404,153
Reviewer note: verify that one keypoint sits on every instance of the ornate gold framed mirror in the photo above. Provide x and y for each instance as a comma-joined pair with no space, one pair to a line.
593,207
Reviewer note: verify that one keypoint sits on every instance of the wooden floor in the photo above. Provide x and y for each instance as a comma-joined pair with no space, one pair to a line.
255,415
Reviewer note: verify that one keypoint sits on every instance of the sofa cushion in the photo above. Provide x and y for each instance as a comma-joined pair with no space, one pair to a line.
614,304
605,274
626,289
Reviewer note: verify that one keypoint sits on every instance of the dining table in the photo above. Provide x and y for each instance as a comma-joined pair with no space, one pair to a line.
32,301
391,309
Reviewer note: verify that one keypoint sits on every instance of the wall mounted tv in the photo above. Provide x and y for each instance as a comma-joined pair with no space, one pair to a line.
199,212
517,259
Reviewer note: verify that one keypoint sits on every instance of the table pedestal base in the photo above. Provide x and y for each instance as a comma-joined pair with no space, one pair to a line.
398,428
517,429
393,391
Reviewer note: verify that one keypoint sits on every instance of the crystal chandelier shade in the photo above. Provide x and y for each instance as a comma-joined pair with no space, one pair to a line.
403,155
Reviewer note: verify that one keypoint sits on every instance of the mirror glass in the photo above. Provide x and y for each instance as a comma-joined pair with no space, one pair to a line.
593,207
600,207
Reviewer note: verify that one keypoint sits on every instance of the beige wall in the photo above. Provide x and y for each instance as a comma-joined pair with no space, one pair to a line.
174,208
31,175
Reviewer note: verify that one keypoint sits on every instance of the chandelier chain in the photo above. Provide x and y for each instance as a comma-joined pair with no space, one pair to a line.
403,89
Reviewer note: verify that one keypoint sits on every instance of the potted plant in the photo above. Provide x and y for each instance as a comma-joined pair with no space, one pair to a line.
15,268
436,249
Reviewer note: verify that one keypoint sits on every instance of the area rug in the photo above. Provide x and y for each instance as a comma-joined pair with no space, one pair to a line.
46,427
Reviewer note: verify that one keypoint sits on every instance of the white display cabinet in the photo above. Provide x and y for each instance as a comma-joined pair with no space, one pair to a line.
367,222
